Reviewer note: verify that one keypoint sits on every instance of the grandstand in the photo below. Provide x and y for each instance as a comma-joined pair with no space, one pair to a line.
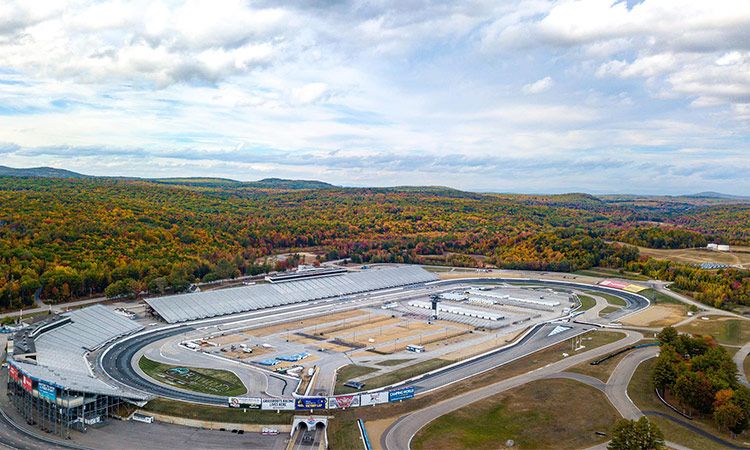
201,305
50,380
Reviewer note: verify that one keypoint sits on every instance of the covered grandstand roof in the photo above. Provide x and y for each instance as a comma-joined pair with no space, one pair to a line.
200,305
60,351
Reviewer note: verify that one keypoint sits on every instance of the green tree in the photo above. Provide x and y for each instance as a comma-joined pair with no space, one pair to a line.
694,391
729,416
636,435
668,336
665,370
122,288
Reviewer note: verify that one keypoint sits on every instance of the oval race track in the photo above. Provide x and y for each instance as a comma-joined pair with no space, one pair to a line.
116,362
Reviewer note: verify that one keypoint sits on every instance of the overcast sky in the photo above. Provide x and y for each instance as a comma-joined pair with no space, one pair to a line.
599,96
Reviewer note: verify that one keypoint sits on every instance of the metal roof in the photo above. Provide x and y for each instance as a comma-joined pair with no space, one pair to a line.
201,305
61,351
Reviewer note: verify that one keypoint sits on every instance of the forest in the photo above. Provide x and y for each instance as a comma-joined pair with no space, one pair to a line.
701,376
73,238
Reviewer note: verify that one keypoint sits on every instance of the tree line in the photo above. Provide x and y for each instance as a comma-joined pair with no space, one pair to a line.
67,239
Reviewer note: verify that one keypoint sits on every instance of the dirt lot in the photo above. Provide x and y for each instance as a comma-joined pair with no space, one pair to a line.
325,319
350,326
657,316
476,349
453,338
321,344
239,354
361,328
376,428
231,339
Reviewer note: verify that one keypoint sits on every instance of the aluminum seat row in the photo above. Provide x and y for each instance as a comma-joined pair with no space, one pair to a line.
202,305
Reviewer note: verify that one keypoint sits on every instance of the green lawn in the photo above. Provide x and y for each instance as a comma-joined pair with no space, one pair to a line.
726,331
393,362
206,381
398,375
586,302
520,366
607,310
603,370
610,298
348,372
345,434
537,415
659,298
217,413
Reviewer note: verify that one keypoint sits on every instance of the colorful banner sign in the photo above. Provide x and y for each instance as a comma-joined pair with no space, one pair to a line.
343,401
46,391
244,402
27,384
277,404
310,403
373,398
13,372
397,395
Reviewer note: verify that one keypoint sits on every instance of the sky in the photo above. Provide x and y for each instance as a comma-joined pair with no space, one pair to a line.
599,96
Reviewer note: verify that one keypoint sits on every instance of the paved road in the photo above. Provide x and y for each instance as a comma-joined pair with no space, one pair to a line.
739,359
398,435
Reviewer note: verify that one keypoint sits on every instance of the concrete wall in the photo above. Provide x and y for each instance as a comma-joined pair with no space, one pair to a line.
208,425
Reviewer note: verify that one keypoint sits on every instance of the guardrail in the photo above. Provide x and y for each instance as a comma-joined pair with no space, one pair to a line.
363,434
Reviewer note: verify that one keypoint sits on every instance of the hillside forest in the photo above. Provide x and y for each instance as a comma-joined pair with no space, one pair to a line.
72,238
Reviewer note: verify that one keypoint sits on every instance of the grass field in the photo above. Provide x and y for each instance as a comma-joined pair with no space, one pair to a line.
611,299
348,372
603,370
397,375
206,381
393,362
346,435
586,302
216,413
607,310
520,366
641,391
541,414
725,330
658,298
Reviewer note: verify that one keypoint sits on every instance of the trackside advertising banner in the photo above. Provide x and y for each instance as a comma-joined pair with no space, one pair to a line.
311,403
13,372
47,391
373,398
278,404
245,402
27,384
343,401
397,395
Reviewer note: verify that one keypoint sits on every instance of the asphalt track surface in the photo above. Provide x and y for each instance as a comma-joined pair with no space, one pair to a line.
117,361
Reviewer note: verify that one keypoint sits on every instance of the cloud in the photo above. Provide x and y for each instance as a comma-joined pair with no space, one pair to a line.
482,94
538,86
